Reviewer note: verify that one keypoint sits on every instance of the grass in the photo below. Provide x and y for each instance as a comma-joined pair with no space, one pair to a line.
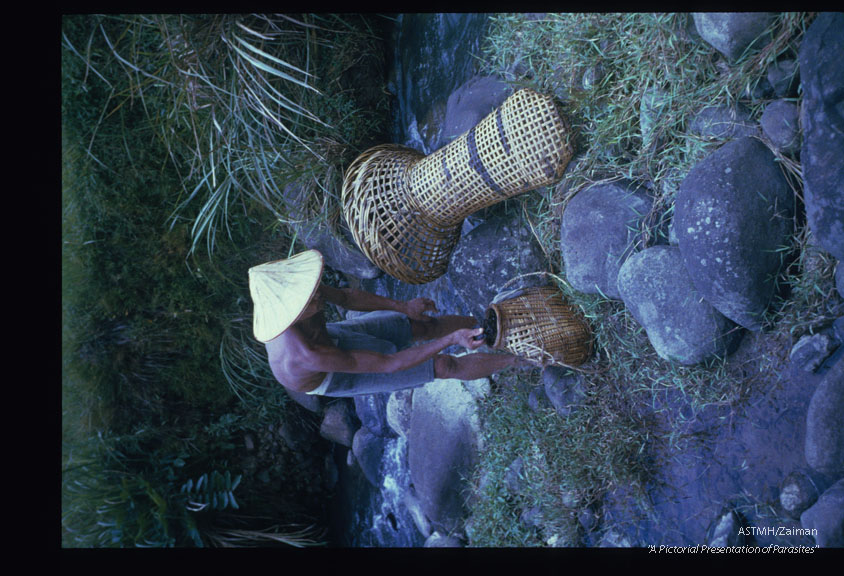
615,74
569,463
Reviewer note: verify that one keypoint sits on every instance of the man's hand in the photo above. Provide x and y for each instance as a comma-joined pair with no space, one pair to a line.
466,337
415,309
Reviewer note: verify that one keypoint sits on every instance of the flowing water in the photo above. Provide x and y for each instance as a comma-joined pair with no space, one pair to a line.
433,54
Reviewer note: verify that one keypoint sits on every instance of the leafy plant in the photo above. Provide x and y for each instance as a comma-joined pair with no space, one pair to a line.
215,491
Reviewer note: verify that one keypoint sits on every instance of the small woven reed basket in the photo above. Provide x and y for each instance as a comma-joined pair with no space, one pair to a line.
405,209
537,324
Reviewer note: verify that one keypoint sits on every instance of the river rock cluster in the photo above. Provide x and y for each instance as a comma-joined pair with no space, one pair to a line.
696,291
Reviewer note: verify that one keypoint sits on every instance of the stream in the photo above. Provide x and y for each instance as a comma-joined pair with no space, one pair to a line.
432,55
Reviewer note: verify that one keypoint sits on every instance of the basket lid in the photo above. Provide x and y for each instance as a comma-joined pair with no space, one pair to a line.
281,290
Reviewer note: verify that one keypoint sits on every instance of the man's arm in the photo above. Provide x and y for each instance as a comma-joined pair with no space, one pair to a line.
352,299
330,359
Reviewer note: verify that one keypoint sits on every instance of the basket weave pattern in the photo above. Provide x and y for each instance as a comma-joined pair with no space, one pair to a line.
540,326
405,209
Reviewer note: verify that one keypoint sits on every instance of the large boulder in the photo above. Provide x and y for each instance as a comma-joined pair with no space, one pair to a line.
825,518
443,450
733,213
471,103
824,432
731,33
660,294
491,255
822,118
598,233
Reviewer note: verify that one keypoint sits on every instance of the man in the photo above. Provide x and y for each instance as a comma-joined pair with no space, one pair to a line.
365,355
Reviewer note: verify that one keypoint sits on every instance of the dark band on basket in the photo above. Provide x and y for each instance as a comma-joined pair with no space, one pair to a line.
501,134
476,163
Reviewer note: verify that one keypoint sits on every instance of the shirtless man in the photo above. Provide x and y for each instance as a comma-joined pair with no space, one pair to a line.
372,353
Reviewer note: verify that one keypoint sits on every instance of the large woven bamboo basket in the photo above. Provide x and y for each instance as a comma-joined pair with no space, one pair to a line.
537,324
405,209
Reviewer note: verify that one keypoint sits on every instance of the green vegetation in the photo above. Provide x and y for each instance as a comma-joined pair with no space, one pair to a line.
639,409
179,131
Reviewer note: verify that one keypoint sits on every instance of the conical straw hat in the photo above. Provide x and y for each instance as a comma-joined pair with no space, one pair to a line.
281,291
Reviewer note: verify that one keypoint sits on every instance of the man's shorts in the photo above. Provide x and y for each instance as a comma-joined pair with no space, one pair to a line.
381,331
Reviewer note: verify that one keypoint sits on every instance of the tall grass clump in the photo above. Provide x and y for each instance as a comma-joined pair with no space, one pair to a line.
245,104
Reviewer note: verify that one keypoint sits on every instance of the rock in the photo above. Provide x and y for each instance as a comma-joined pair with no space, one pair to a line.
338,251
811,350
784,78
588,519
799,490
411,503
491,255
538,399
443,450
598,233
838,329
531,517
438,540
563,388
296,434
725,531
398,411
471,103
372,412
723,123
592,77
310,402
824,433
822,119
733,212
569,499
339,423
513,476
839,278
612,538
761,90
732,33
333,242
660,294
781,124
369,450
826,517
